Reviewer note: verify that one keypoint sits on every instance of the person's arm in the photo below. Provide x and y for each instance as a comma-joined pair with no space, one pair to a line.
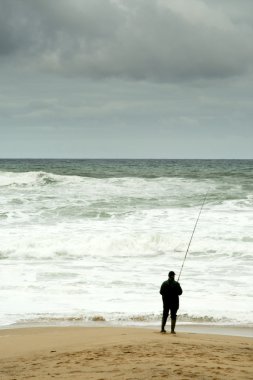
180,290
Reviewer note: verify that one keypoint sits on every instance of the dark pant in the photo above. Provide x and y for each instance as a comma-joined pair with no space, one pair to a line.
169,308
166,309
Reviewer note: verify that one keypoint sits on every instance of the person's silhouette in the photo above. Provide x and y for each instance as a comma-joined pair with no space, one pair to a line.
170,291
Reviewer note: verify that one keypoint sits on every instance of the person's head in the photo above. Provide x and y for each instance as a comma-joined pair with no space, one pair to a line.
172,275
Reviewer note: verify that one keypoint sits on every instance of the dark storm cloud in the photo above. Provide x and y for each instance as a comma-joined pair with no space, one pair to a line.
154,40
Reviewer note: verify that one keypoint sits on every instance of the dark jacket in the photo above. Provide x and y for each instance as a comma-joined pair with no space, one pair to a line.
170,290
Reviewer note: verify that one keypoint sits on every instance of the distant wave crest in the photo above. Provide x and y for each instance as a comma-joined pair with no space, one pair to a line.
27,178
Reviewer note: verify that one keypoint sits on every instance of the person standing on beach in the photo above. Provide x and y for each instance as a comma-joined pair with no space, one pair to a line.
170,291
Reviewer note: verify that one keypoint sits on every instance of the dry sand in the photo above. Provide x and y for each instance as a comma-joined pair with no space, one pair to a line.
121,353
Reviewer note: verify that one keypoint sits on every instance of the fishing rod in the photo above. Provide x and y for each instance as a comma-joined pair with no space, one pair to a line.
192,234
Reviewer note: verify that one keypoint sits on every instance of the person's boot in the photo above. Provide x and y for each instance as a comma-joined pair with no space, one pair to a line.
173,325
164,320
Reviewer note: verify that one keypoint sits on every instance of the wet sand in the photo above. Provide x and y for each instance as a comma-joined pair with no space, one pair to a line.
122,353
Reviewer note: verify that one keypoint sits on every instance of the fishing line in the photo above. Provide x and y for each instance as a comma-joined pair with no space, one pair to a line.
192,234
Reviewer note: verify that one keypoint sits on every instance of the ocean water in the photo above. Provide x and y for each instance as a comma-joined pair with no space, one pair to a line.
92,240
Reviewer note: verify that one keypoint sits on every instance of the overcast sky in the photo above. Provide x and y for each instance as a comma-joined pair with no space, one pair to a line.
126,78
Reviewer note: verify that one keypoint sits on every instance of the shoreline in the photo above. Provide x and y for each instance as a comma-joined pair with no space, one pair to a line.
191,328
96,353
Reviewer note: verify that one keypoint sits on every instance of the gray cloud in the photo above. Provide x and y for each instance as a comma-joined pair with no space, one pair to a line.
176,78
153,40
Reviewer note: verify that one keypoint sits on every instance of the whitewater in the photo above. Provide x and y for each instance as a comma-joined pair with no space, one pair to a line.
86,241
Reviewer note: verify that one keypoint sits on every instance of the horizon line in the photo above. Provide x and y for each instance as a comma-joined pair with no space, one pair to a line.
114,158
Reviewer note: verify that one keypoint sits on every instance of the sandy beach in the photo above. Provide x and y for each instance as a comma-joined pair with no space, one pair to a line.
121,353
